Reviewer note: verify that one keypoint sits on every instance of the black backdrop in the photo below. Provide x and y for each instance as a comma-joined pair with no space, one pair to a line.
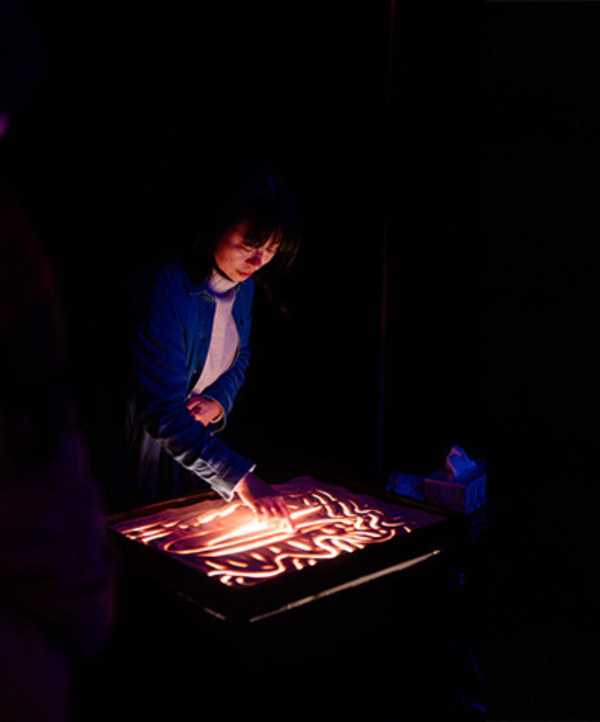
542,140
134,95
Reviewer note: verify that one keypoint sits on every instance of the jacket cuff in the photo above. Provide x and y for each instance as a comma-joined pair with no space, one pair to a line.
224,481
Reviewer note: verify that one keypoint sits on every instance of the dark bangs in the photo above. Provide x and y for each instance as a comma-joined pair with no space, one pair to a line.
275,222
272,218
251,191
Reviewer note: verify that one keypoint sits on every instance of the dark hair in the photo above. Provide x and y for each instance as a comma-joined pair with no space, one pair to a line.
251,190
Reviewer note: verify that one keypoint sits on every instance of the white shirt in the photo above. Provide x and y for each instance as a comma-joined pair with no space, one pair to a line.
224,340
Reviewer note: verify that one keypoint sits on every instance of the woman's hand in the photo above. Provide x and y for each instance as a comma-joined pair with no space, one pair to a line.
264,500
204,410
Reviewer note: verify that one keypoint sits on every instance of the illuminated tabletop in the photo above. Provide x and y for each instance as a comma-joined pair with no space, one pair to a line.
227,545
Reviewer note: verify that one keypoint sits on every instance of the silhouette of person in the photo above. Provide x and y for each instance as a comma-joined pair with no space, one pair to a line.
57,566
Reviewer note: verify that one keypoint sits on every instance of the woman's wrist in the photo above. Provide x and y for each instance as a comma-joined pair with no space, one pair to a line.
219,413
205,409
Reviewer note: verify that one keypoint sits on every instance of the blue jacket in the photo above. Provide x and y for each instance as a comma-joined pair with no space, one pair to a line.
170,453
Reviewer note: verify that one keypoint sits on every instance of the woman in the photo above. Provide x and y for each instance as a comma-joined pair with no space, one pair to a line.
190,342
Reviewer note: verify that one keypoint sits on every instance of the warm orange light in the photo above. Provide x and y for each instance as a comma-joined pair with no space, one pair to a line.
229,542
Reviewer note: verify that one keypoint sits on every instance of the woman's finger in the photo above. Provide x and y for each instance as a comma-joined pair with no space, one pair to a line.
284,513
261,497
199,416
275,508
195,402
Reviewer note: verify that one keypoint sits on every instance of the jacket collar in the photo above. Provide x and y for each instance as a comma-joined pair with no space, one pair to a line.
202,288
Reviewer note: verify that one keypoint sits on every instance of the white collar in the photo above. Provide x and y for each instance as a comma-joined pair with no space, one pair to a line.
220,284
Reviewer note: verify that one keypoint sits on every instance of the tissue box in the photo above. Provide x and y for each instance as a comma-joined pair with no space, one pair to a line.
407,485
464,494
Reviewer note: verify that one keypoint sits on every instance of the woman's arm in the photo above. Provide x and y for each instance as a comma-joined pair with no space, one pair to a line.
162,388
161,384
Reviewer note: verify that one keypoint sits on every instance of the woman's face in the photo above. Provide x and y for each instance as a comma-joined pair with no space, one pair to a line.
238,260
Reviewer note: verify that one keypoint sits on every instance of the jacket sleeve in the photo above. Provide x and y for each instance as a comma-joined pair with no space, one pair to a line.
161,381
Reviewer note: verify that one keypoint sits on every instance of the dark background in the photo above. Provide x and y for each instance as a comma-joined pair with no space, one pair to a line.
133,98
542,133
381,151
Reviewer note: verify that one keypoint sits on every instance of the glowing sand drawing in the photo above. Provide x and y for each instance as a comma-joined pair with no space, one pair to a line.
229,542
